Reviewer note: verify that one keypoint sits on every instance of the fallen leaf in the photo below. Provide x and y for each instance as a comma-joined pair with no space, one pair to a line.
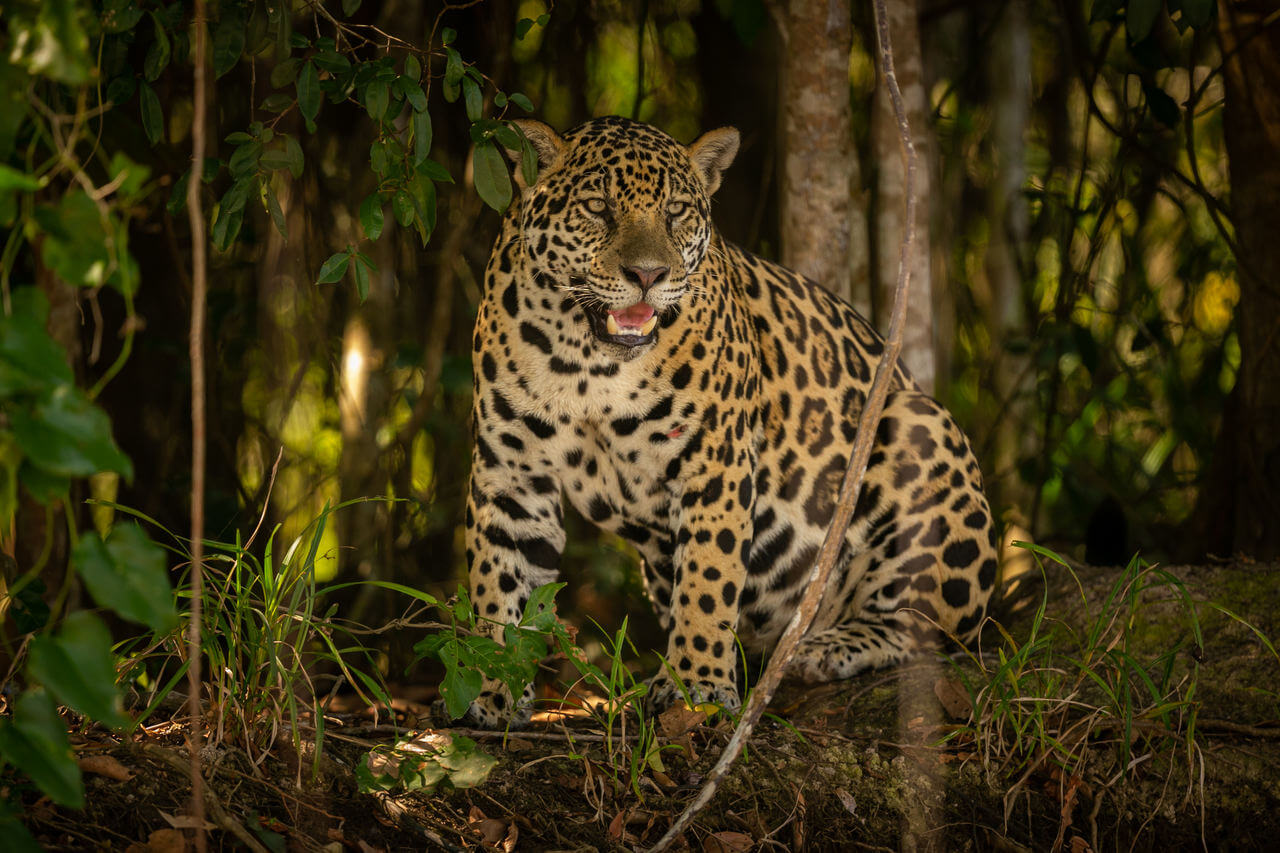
1079,845
513,836
490,829
677,722
105,765
727,842
954,698
846,799
616,826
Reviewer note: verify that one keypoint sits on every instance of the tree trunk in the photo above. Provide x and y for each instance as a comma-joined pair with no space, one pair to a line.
1009,82
918,336
1241,499
816,144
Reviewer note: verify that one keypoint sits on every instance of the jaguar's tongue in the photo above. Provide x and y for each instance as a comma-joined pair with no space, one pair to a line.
635,319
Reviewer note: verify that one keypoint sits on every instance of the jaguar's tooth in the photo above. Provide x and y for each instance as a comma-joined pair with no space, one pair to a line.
648,326
611,325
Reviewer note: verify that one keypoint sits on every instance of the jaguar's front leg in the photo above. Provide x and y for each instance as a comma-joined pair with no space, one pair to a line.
514,537
712,517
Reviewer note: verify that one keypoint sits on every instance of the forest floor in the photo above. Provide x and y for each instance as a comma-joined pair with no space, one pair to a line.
858,765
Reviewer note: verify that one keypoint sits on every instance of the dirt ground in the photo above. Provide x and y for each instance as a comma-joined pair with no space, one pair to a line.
852,766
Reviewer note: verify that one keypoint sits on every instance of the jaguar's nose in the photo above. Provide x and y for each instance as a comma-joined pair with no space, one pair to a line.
646,277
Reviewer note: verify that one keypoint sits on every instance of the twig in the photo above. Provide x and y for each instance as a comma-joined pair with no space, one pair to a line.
199,286
219,814
853,475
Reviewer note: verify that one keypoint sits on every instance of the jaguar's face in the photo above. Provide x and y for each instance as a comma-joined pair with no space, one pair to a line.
620,219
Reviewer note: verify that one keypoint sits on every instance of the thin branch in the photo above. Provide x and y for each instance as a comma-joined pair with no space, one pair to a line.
199,287
851,487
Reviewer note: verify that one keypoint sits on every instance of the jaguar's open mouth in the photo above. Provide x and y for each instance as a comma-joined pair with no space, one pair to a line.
632,326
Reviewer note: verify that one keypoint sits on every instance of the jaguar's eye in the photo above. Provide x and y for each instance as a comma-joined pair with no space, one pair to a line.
595,206
676,208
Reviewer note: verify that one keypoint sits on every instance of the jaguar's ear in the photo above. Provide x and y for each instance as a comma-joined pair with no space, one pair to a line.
547,147
712,153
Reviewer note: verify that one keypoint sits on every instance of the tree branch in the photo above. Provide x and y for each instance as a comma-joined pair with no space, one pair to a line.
851,487
199,288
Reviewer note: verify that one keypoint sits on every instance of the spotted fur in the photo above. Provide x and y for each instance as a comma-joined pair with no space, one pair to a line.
714,443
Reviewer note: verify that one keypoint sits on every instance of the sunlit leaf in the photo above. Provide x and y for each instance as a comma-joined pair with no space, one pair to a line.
76,666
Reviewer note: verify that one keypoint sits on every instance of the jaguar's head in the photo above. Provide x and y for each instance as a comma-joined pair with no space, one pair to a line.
620,218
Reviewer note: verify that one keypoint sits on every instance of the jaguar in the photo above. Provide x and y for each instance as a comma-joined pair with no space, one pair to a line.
701,403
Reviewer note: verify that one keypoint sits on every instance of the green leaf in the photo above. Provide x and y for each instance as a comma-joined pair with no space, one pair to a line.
528,162
274,211
447,35
334,268
402,207
158,54
412,93
491,178
30,360
349,7
120,15
228,39
54,45
421,136
452,74
412,68
35,741
1140,17
244,161
76,667
121,89
540,609
127,573
521,101
472,97
435,171
309,95
332,61
424,202
362,281
226,227
1195,13
376,99
75,244
66,435
276,103
275,159
12,179
152,114
285,73
371,216
522,28
293,151
14,833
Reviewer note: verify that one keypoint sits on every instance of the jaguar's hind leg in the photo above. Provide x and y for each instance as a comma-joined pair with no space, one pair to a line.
844,650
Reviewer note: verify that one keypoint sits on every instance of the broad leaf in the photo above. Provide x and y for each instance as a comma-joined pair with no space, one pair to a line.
76,667
1140,16
35,741
309,95
334,268
152,114
492,181
127,573
67,435
371,216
